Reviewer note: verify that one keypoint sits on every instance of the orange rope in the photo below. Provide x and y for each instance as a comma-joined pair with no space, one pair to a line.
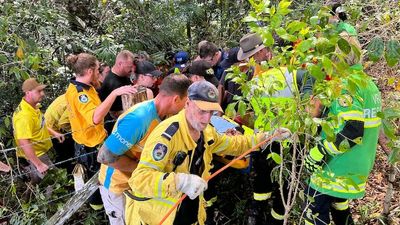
216,173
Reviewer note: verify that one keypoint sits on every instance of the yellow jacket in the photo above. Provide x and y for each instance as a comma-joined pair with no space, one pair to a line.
154,177
56,115
82,101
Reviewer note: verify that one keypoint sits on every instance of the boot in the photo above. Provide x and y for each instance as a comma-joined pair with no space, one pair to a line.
256,213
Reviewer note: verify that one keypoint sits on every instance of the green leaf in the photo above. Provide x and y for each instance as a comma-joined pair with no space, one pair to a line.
357,51
391,113
344,46
329,131
3,58
327,64
316,72
394,155
304,45
314,20
230,110
276,21
295,26
250,18
24,74
283,7
268,39
281,32
284,4
242,108
392,54
7,121
375,49
277,158
324,46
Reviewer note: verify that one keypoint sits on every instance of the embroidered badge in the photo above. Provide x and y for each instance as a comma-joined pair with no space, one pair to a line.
345,100
159,151
211,94
83,98
210,71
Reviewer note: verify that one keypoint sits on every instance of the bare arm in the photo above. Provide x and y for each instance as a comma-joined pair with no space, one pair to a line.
26,146
149,93
221,91
102,110
60,137
122,163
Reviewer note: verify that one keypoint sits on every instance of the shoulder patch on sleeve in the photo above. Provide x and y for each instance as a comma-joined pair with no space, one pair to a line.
171,130
83,98
159,151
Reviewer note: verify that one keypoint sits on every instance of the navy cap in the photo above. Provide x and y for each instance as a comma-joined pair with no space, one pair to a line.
205,95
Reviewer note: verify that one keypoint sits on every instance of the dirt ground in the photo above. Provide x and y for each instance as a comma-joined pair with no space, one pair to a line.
368,210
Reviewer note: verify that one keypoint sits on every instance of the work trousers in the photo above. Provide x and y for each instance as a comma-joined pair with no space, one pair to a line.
318,211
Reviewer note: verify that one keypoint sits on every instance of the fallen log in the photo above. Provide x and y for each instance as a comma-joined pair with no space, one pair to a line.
75,202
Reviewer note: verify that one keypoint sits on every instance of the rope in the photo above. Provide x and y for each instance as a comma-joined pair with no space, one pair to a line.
218,172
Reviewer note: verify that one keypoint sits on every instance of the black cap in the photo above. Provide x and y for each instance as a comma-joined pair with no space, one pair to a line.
205,95
201,68
147,68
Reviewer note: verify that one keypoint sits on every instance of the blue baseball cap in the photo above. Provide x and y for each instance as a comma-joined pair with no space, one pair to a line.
181,57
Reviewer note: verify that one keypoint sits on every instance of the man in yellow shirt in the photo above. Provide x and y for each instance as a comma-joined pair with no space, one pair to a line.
176,159
57,119
30,132
87,113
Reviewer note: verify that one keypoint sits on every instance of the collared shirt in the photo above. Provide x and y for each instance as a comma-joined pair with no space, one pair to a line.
29,123
82,101
56,115
154,177
128,137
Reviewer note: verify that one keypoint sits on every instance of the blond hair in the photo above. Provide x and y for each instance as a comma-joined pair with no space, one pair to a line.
124,55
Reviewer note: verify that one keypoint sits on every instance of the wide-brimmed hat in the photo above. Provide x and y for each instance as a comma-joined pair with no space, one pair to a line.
205,95
31,84
250,44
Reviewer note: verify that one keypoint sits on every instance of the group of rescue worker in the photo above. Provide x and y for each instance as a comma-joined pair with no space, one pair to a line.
156,139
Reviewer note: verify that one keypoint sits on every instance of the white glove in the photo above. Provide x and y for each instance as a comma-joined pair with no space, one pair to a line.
190,184
281,134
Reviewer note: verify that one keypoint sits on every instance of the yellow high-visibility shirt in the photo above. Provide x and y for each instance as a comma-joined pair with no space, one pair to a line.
56,115
82,101
154,178
29,123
